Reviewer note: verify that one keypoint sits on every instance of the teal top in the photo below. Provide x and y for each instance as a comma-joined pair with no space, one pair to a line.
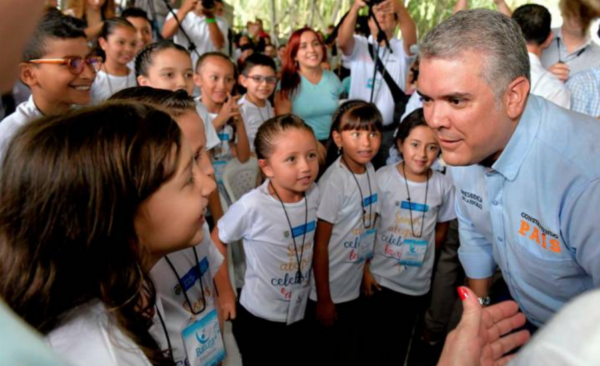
315,104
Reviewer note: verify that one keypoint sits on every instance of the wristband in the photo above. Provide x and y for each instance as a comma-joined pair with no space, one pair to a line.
211,20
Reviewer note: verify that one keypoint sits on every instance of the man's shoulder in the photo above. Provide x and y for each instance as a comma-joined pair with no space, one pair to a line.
591,76
567,136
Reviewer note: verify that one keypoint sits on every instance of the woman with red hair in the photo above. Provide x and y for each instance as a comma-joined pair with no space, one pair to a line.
306,89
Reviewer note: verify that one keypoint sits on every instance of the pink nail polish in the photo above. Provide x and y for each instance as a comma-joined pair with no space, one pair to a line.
462,292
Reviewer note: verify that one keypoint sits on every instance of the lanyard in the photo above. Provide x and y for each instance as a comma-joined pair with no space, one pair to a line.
362,198
164,327
560,61
298,258
412,229
187,299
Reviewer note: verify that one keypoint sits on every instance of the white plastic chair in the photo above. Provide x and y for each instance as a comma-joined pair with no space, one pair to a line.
238,180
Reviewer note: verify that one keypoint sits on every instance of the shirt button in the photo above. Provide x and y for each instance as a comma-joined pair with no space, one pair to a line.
495,203
499,238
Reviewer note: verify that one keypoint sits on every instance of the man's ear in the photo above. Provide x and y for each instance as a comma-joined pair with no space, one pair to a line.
515,97
28,74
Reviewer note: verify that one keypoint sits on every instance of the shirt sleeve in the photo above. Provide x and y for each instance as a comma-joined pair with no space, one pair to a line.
235,224
360,46
332,197
475,251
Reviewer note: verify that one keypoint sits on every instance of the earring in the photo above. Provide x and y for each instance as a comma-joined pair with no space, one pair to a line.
339,150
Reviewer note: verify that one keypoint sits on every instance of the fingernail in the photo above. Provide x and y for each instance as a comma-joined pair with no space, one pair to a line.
462,292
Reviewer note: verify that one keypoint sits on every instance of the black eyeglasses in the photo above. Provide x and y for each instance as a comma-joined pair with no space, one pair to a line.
74,64
261,79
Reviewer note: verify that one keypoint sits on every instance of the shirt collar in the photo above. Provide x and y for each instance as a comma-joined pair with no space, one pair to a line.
558,34
534,60
512,157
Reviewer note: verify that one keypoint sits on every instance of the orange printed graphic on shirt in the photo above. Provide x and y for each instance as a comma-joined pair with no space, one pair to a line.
538,237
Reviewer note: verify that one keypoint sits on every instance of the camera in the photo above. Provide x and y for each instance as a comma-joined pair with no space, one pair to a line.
374,2
209,4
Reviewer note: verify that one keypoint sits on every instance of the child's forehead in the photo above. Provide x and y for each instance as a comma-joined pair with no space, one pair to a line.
217,65
261,70
123,31
138,21
172,57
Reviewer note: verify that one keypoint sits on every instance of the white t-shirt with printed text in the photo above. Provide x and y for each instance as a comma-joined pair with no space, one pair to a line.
175,308
395,234
341,206
272,258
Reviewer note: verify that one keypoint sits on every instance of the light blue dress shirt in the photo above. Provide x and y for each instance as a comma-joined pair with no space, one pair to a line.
535,212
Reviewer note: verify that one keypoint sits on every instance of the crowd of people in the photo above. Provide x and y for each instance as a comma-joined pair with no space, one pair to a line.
462,159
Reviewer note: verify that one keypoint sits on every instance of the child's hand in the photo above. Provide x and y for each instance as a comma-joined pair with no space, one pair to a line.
230,109
369,284
326,313
227,304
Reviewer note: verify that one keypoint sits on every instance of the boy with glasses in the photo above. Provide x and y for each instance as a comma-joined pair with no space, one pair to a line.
259,77
58,68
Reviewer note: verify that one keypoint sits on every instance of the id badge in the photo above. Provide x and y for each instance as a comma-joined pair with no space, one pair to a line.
298,302
203,341
367,245
413,252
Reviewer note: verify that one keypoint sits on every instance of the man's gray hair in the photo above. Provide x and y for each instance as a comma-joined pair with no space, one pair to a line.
488,33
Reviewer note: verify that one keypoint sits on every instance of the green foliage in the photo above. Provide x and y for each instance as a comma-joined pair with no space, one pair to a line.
426,13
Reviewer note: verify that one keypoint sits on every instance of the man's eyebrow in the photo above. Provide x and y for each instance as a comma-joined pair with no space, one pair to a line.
456,95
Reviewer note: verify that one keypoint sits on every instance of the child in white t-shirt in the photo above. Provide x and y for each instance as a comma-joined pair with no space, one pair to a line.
345,231
128,193
276,222
417,204
118,41
259,77
184,279
215,76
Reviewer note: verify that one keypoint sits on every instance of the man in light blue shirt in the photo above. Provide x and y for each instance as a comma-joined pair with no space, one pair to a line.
528,172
